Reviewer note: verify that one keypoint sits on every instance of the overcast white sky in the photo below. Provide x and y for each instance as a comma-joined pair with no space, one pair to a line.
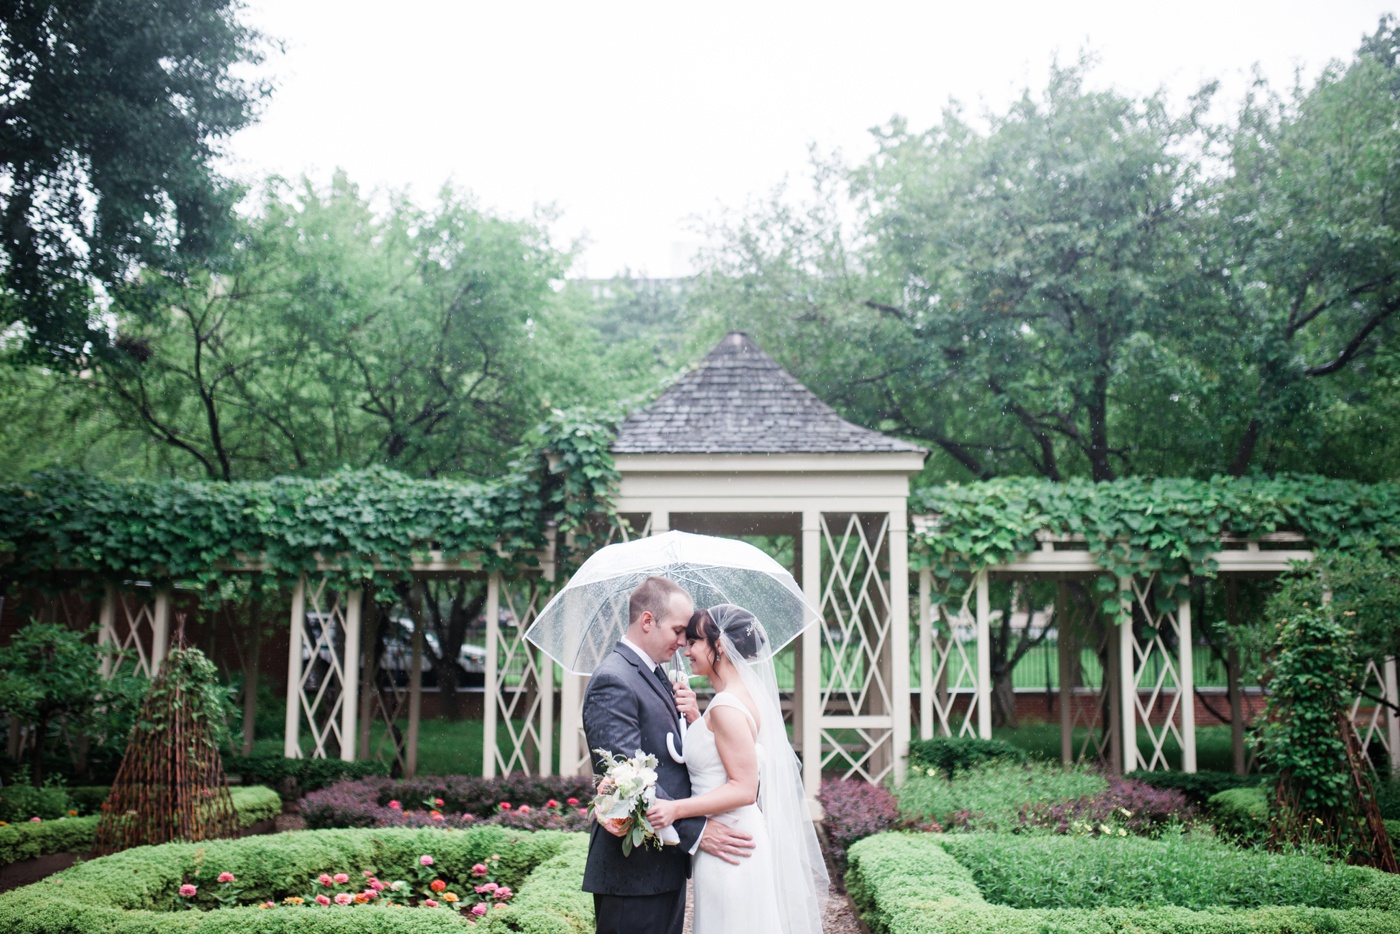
634,117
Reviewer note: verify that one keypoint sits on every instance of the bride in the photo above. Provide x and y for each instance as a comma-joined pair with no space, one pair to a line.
744,774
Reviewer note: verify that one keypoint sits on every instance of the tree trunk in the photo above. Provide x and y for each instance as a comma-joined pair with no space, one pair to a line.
251,672
1003,699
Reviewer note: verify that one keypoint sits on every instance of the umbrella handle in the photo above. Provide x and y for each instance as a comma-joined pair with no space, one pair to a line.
671,743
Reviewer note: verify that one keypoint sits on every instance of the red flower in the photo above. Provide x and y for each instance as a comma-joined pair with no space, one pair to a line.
551,804
437,885
505,805
572,802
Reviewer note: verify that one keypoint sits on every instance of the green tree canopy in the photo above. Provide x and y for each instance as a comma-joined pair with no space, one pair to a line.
110,116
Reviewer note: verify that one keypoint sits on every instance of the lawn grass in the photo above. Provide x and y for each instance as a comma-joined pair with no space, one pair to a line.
444,747
990,797
1042,740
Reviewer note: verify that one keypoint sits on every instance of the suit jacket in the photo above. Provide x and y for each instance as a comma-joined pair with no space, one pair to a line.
625,709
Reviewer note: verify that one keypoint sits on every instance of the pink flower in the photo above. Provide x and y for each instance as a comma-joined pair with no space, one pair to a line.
551,804
187,890
436,816
505,806
341,878
429,903
376,885
503,893
571,802
583,812
322,900
395,806
524,809
479,909
480,869
40,820
438,801
325,879
489,887
226,877
344,898
268,905
425,860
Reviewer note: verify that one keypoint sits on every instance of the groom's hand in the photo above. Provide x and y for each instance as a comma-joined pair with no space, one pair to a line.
729,845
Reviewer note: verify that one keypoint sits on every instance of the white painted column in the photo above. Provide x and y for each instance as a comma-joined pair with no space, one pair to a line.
899,639
1392,719
660,522
350,678
291,742
926,685
1127,683
160,630
107,628
984,656
1187,686
812,656
493,688
570,723
418,597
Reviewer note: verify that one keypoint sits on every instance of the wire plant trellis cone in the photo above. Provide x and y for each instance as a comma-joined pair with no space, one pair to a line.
171,784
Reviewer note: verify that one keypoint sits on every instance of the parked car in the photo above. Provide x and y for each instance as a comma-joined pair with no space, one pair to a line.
398,653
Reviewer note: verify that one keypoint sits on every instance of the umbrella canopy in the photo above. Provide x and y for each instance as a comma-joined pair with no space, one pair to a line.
580,626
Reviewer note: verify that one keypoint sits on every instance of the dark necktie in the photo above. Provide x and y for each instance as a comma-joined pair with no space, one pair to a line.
665,681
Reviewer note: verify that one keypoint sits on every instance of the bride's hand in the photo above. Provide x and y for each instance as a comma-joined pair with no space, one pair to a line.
663,813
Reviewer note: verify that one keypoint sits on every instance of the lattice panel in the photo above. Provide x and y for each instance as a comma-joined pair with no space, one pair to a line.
1077,639
1373,724
955,667
855,698
524,681
322,686
1154,667
129,624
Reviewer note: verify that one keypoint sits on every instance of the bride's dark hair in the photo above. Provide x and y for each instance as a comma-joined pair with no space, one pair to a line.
735,622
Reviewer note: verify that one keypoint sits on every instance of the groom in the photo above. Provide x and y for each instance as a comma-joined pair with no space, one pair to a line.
630,705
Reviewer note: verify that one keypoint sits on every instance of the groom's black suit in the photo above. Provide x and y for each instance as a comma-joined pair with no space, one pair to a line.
627,708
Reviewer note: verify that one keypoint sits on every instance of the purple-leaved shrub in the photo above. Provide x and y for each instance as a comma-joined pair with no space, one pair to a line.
1130,806
855,810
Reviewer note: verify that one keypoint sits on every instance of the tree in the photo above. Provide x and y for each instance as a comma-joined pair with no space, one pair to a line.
1311,237
418,339
110,117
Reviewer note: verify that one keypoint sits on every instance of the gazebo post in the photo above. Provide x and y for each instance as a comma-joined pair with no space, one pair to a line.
417,597
291,733
350,677
811,699
160,629
899,639
1392,720
1065,644
107,628
926,685
493,691
984,656
1127,684
1187,687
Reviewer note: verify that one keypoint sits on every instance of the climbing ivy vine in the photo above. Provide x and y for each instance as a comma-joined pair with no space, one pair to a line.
371,523
1140,526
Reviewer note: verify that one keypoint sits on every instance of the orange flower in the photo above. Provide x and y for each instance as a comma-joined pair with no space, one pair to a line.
437,885
449,897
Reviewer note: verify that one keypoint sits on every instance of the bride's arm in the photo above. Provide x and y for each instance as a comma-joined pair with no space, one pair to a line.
735,743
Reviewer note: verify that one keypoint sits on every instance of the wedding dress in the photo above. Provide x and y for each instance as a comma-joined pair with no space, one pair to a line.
782,887
730,899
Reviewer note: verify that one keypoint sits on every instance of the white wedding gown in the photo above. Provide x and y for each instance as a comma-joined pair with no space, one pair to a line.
730,899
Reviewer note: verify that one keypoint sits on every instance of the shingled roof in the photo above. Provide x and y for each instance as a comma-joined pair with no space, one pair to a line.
739,401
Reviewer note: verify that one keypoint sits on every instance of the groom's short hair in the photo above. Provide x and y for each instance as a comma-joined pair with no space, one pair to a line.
652,595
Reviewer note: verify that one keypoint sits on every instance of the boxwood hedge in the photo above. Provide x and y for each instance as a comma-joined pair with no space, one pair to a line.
74,834
910,884
136,890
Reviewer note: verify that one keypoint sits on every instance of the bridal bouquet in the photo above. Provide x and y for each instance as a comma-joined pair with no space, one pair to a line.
625,792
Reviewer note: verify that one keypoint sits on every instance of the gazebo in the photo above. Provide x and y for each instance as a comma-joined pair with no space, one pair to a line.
739,447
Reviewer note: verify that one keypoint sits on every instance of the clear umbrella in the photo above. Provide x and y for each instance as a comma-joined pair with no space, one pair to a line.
580,626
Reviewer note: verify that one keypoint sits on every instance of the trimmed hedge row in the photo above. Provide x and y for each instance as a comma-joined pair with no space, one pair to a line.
73,834
1187,871
1199,787
134,892
551,900
1241,814
909,884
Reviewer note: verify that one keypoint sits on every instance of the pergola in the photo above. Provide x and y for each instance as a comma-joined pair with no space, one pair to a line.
738,447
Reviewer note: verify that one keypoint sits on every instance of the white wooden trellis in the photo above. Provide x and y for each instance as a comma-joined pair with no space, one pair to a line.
1372,721
947,671
522,702
1149,668
138,629
323,670
860,734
